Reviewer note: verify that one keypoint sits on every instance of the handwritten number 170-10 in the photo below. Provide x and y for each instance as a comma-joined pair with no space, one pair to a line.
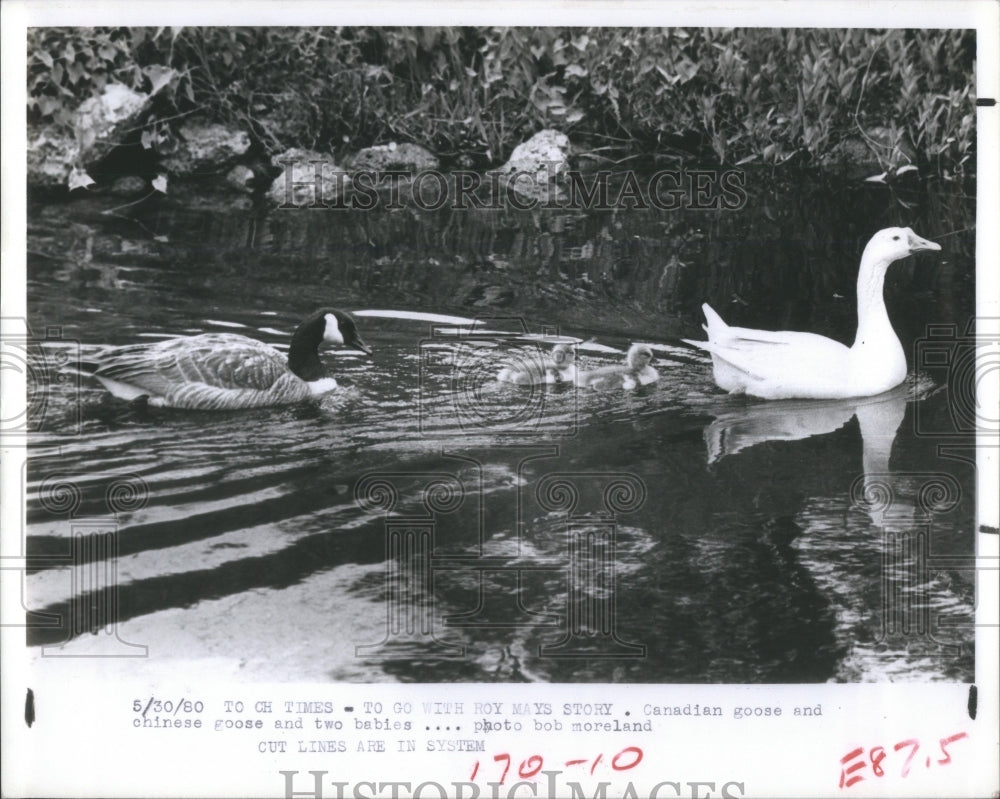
627,758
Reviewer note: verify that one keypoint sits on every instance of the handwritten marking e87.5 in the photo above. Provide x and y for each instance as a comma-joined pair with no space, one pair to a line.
854,762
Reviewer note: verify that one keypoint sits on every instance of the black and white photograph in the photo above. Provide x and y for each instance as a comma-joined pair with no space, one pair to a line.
625,376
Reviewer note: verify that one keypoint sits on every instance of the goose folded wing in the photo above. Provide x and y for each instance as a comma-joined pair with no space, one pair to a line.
215,361
762,353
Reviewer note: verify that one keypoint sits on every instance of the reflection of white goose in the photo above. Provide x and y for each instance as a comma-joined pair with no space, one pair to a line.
886,496
785,364
794,420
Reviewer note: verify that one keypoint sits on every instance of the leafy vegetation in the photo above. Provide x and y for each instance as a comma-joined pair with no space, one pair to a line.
769,96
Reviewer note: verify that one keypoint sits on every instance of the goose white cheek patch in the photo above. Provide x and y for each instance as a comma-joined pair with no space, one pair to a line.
332,334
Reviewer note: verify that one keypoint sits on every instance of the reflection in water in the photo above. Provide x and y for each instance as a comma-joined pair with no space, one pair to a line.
246,536
879,419
793,420
892,603
888,496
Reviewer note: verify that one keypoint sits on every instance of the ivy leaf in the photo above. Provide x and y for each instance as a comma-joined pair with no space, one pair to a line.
48,105
44,57
148,139
686,69
75,72
160,183
159,76
78,179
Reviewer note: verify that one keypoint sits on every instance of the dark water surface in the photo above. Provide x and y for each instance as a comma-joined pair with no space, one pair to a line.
457,529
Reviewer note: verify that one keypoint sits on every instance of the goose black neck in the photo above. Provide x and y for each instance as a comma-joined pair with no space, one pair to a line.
303,352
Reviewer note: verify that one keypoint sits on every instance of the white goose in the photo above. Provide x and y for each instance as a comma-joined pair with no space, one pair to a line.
635,372
785,364
559,367
223,371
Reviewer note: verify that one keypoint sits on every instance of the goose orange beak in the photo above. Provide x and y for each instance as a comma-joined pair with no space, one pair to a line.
918,244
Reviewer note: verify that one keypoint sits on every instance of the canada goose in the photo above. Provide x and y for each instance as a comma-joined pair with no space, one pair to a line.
223,371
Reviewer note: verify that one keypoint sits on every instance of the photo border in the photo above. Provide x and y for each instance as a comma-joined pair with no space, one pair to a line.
783,759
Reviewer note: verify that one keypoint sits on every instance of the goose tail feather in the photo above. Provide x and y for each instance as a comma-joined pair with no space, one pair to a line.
715,327
731,357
